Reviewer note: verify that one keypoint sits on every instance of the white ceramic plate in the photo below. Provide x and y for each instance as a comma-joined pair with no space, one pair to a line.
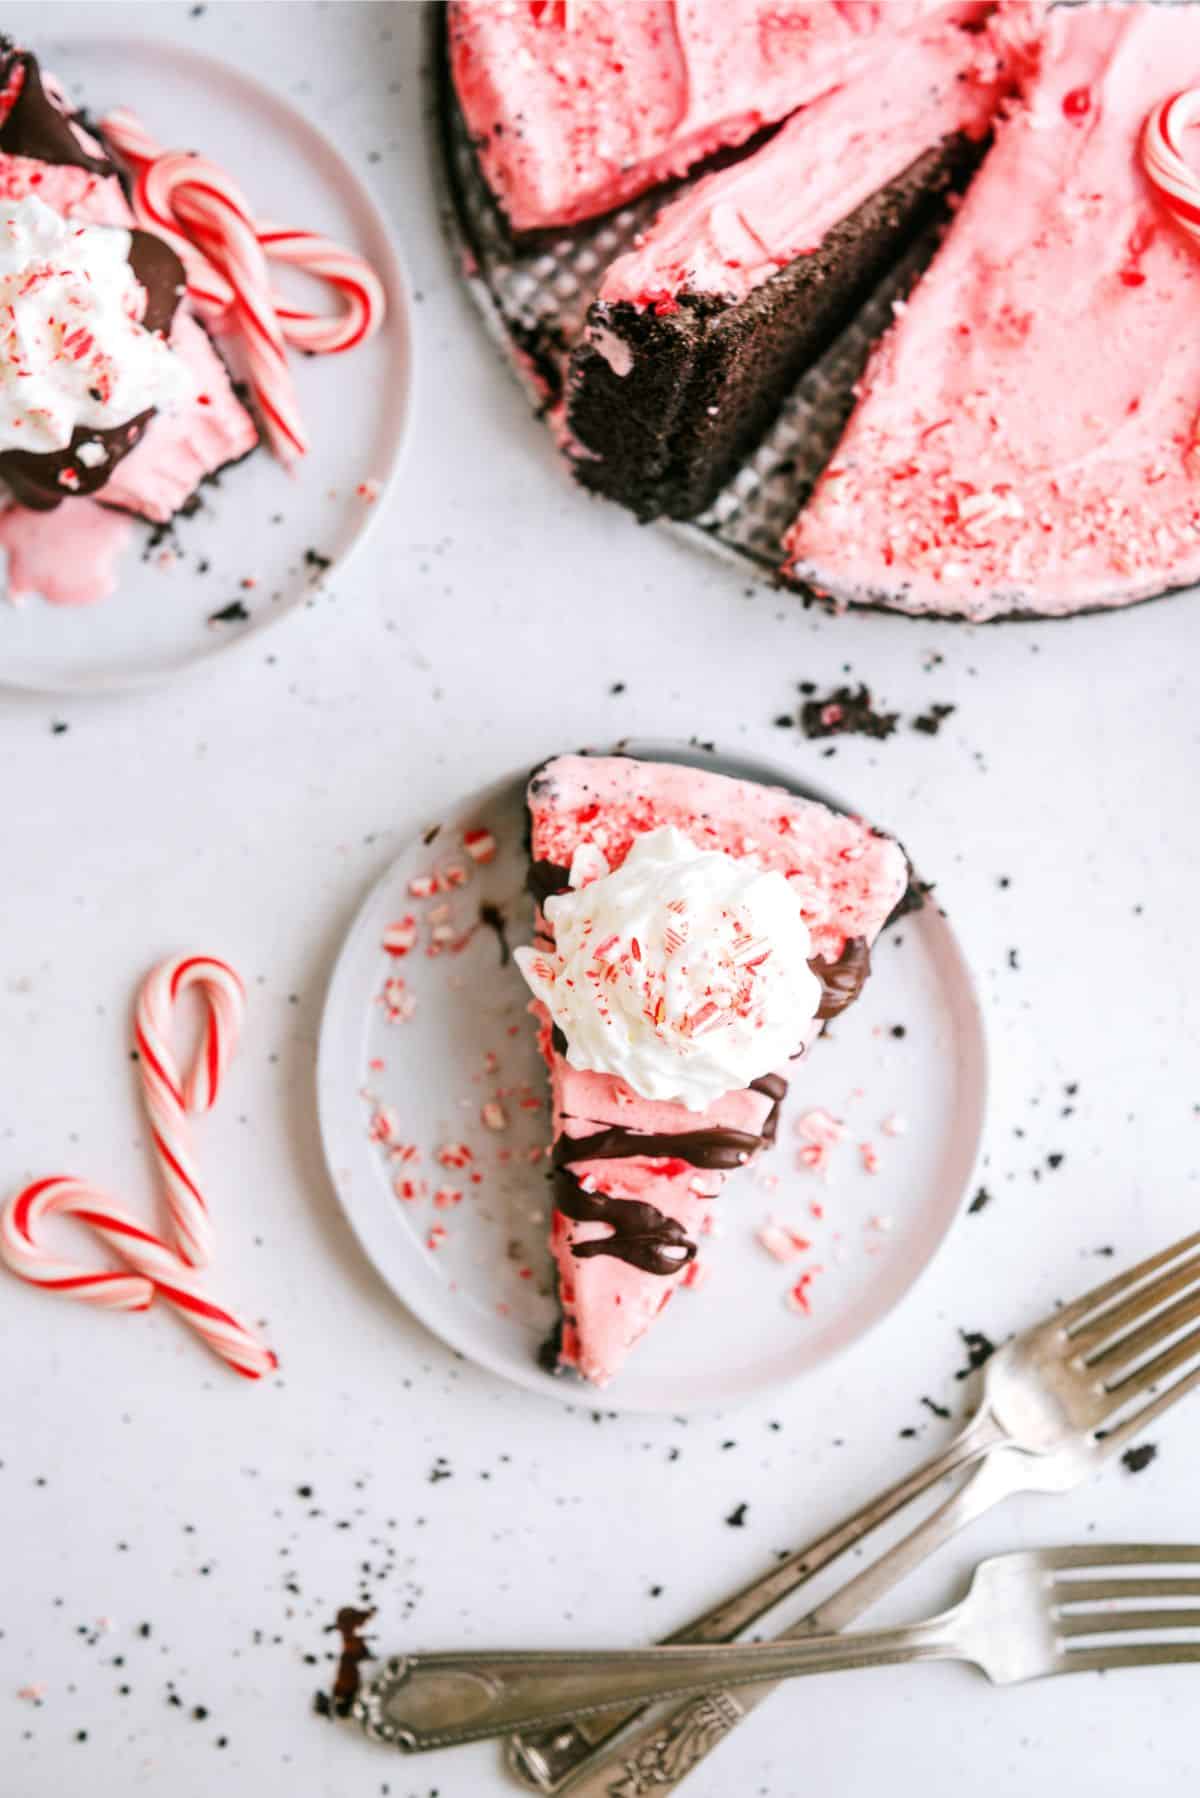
399,1082
258,523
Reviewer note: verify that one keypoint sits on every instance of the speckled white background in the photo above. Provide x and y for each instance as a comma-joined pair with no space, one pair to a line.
247,812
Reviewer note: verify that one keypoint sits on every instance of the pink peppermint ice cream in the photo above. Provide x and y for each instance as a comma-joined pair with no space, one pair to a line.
577,105
1027,434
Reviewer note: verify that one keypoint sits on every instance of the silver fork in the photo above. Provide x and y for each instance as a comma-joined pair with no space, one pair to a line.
1056,1402
1025,1616
1061,1392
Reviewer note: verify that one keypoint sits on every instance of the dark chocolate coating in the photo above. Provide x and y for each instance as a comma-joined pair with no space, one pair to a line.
36,128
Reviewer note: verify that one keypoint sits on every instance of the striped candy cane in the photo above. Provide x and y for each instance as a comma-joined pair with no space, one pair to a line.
171,1096
1172,177
152,1267
215,213
206,218
1175,181
156,1270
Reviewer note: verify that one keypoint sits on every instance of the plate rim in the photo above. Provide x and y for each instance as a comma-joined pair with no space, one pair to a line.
329,1075
400,320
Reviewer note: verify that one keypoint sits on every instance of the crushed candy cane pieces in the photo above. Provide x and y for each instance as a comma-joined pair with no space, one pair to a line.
782,1243
797,1295
399,937
480,845
455,1154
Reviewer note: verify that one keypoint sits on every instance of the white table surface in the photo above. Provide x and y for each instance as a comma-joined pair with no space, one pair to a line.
247,812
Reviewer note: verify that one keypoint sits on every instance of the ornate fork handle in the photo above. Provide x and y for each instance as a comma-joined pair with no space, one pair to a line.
439,1700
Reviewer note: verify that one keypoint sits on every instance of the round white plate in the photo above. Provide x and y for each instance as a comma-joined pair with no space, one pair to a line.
405,1074
258,523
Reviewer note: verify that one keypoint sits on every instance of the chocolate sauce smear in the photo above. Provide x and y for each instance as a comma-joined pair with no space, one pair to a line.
35,127
349,1625
642,1235
714,1147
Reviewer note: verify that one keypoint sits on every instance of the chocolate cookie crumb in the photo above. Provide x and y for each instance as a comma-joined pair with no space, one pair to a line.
846,711
930,722
980,1348
234,613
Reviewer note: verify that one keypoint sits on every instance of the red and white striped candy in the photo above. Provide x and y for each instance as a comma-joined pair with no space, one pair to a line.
1174,179
355,281
171,1095
206,218
216,216
157,1271
153,1267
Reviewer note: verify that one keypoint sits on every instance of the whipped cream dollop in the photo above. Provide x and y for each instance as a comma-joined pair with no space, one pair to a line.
72,348
684,972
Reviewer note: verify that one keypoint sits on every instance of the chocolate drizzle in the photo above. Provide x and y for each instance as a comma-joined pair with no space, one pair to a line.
715,1147
773,1087
642,1235
37,128
842,980
36,476
546,878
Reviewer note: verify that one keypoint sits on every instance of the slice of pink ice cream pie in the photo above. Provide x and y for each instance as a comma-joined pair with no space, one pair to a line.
694,933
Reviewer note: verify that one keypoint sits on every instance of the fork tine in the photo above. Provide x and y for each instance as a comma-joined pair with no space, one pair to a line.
1122,1357
1083,1308
1127,1654
1117,1554
1126,1623
1104,1591
1117,1438
1106,1328
1151,1373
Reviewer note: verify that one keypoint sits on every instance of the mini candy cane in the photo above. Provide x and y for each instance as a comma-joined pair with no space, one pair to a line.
170,1097
216,214
154,1268
157,1270
202,213
1174,180
1172,177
